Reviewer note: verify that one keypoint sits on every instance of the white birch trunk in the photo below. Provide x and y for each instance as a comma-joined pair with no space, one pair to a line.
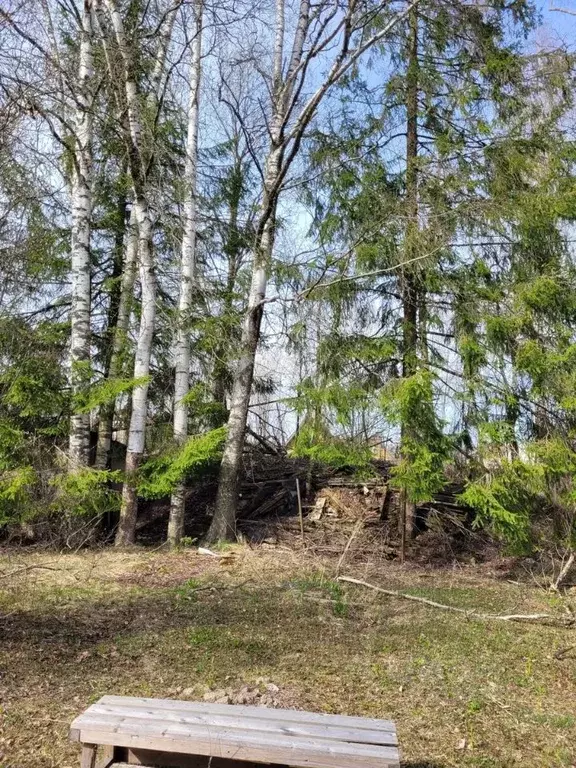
187,278
137,431
79,443
130,265
137,159
223,526
284,145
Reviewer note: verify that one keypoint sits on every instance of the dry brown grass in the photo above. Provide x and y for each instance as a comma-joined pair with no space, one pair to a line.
463,692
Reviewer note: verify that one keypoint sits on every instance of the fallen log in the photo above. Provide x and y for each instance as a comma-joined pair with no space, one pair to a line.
542,618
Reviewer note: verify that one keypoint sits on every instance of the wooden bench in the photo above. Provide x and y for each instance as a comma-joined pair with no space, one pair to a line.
122,731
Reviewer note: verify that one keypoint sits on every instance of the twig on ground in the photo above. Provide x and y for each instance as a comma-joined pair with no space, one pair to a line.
564,571
562,653
505,708
355,532
17,571
472,614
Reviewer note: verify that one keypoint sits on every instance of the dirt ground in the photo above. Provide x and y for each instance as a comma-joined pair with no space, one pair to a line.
271,625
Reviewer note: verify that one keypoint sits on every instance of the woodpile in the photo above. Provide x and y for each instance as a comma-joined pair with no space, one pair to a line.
340,511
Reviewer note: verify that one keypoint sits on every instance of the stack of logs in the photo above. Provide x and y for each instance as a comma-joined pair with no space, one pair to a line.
270,488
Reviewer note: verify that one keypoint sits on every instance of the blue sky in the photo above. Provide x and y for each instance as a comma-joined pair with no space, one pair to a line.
557,26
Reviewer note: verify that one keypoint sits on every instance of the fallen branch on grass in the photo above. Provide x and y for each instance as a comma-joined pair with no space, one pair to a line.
544,618
24,568
562,653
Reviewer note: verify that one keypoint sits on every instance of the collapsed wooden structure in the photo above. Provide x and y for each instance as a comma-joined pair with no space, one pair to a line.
281,496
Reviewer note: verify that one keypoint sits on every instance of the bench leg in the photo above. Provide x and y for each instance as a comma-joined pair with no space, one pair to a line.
107,755
88,758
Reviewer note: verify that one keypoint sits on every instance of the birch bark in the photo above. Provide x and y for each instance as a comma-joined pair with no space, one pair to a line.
120,329
187,276
137,430
137,162
79,442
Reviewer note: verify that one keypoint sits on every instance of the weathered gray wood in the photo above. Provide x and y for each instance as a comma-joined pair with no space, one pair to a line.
145,757
88,757
166,732
106,757
292,715
232,720
236,745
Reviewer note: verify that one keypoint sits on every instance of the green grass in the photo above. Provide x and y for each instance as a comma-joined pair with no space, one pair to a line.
463,692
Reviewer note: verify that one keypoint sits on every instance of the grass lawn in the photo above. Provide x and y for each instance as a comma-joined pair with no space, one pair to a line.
463,692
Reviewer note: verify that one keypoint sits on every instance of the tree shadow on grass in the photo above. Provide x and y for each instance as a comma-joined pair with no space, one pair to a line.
220,631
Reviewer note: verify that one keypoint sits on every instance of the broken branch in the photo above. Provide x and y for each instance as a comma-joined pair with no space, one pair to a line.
355,531
473,614
25,568
564,571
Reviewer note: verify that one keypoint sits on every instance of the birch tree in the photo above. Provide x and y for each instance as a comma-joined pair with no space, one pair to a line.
68,113
81,213
119,330
319,30
138,159
187,275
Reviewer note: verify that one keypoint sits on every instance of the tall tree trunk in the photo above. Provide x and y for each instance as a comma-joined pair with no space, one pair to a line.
137,431
409,277
139,155
223,527
284,146
79,442
187,279
119,321
118,325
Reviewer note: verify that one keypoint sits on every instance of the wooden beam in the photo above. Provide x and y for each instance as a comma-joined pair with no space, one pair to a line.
88,757
145,757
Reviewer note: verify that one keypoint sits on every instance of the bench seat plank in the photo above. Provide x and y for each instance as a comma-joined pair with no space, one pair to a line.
232,720
285,715
288,737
